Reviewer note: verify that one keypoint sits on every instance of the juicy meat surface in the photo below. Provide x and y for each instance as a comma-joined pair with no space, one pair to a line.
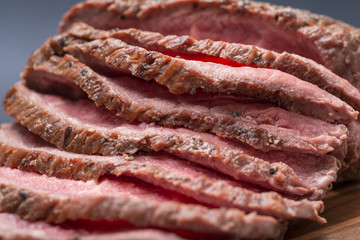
187,76
277,28
232,54
26,151
81,127
38,197
13,227
259,125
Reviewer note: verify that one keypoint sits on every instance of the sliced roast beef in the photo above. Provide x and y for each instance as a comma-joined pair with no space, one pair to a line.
257,121
25,151
187,76
317,37
232,54
13,227
259,125
81,127
38,197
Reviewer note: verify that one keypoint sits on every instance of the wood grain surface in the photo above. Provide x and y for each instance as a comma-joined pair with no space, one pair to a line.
342,211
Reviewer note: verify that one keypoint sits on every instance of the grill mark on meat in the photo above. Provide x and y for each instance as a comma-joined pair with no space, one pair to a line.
217,51
91,125
117,95
124,199
40,83
67,136
318,37
162,170
186,76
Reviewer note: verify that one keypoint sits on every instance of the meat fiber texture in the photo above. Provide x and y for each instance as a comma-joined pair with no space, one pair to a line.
134,127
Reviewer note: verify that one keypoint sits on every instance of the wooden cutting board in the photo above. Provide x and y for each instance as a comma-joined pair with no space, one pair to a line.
342,211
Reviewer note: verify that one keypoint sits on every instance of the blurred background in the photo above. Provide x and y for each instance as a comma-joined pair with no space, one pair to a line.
25,25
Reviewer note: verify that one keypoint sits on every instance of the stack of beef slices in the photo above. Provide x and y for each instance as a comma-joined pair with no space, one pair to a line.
140,131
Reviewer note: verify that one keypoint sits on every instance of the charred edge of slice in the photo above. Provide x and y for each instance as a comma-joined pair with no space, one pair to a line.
45,160
38,71
37,205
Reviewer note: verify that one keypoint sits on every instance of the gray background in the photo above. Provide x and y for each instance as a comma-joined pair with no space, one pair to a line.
25,25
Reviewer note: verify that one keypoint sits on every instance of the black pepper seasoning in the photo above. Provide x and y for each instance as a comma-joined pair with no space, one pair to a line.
66,136
23,195
273,171
83,71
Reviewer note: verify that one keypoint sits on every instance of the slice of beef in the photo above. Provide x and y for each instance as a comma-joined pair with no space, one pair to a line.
81,127
262,126
48,53
13,227
26,151
317,37
38,197
187,76
232,54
